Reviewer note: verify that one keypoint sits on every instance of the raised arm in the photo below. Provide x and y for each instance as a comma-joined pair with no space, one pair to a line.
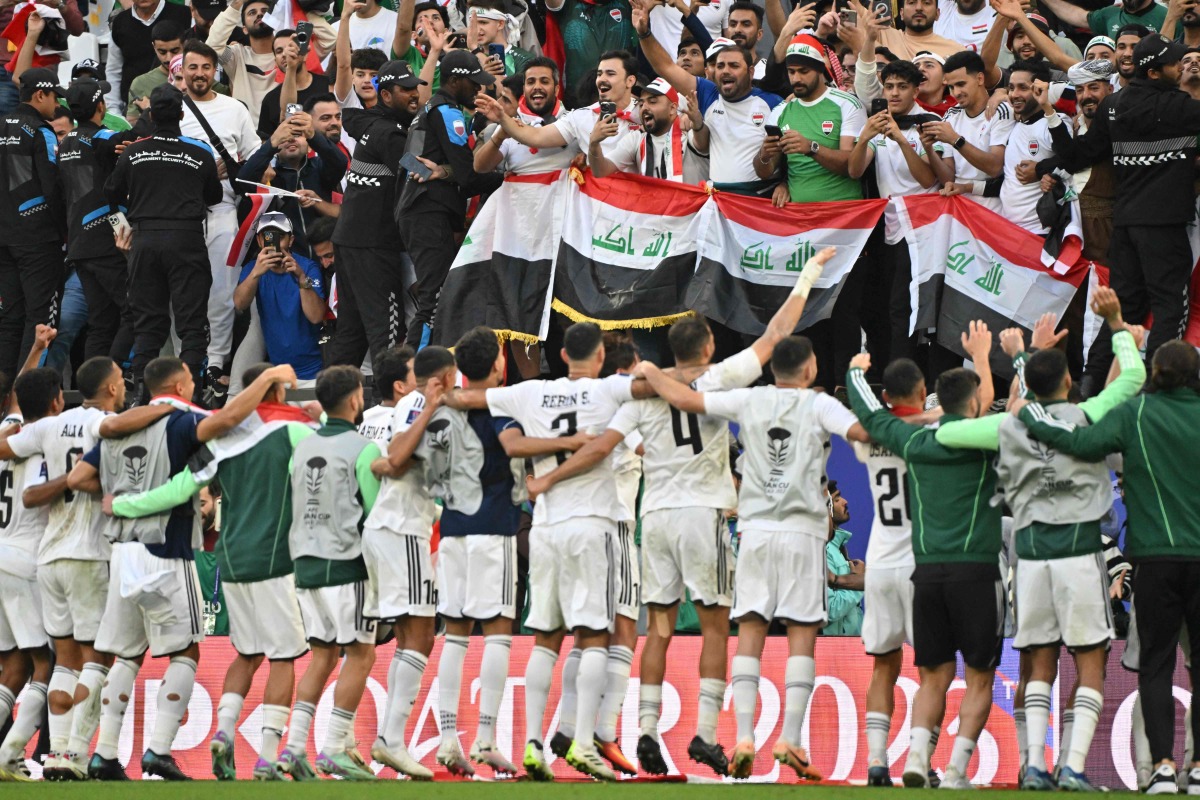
989,51
404,444
1068,13
244,404
546,136
42,338
1090,442
343,82
660,59
1011,9
133,420
977,342
402,38
783,323
678,394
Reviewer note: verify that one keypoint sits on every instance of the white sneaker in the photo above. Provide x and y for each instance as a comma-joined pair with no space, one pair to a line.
399,759
73,767
915,776
953,780
450,756
1163,781
486,753
584,757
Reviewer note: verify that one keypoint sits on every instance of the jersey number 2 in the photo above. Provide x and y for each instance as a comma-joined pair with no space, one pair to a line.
892,515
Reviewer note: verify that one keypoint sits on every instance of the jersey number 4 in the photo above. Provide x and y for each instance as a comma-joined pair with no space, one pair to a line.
892,506
689,437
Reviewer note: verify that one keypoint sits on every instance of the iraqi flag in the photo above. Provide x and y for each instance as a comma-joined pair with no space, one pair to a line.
501,275
266,419
259,199
972,264
753,253
629,250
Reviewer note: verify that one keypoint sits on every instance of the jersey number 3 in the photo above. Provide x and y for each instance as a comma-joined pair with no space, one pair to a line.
564,425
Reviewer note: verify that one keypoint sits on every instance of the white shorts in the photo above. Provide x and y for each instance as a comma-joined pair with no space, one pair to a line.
888,601
73,597
1062,600
153,603
403,582
686,548
334,614
781,575
20,614
477,577
573,576
629,572
264,619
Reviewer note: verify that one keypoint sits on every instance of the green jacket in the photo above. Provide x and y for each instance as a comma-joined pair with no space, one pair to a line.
845,605
256,506
953,520
1159,436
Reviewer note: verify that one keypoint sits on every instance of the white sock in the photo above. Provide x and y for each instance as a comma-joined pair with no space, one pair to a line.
341,722
799,675
919,749
114,697
1037,720
712,697
493,675
30,706
351,738
297,737
964,748
274,720
620,664
1141,745
454,652
1068,730
879,725
569,702
1088,705
589,685
1189,746
1022,735
59,725
86,714
229,709
7,701
409,670
934,735
173,697
649,708
381,723
744,673
539,673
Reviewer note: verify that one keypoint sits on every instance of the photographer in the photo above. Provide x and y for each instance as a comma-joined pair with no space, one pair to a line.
289,294
299,85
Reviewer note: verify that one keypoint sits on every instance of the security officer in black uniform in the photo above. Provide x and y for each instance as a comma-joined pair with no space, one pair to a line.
366,242
432,211
167,181
32,217
86,158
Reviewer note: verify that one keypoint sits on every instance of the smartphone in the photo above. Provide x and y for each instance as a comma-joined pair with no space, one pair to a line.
882,10
270,239
772,130
456,41
303,36
292,108
608,110
496,51
848,17
878,106
414,167
906,121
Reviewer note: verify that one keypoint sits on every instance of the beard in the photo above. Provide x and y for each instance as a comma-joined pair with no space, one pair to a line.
1190,20
260,31
199,86
924,26
541,106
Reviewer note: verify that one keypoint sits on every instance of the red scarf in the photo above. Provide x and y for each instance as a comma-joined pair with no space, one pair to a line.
546,119
906,411
676,152
625,115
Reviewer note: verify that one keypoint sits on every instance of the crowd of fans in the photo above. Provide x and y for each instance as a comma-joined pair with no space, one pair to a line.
1003,102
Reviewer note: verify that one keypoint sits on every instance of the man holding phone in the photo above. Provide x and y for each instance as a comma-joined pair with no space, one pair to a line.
919,17
298,83
489,23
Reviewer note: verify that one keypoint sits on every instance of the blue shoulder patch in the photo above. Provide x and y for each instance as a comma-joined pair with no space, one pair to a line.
104,133
51,144
198,143
457,127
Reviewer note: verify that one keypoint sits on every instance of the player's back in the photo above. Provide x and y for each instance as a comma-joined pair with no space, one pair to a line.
404,505
376,425
75,528
890,544
20,527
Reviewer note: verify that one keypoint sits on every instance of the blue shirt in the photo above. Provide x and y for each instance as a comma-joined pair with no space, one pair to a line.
289,336
182,444
497,516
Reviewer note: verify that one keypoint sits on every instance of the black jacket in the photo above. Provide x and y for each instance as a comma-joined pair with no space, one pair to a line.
375,172
31,208
86,158
441,134
166,178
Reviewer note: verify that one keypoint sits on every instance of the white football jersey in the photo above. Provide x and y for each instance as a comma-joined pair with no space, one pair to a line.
1027,142
403,504
377,425
564,407
75,528
627,468
20,527
687,455
890,545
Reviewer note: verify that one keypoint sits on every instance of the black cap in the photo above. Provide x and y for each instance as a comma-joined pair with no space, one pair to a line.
399,73
208,9
40,79
87,66
84,96
461,64
166,104
1156,50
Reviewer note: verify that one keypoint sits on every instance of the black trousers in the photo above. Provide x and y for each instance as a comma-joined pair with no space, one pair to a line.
370,310
431,241
899,262
31,278
105,283
169,272
1168,596
1150,268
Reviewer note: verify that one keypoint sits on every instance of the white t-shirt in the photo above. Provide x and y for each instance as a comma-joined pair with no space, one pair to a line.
1027,142
75,525
576,127
20,527
230,120
377,425
374,32
969,30
520,159
687,455
627,470
894,176
667,23
630,155
736,131
890,545
981,132
563,407
403,504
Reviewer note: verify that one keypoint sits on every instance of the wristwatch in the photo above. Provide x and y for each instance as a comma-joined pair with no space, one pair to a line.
306,282
959,143
813,147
